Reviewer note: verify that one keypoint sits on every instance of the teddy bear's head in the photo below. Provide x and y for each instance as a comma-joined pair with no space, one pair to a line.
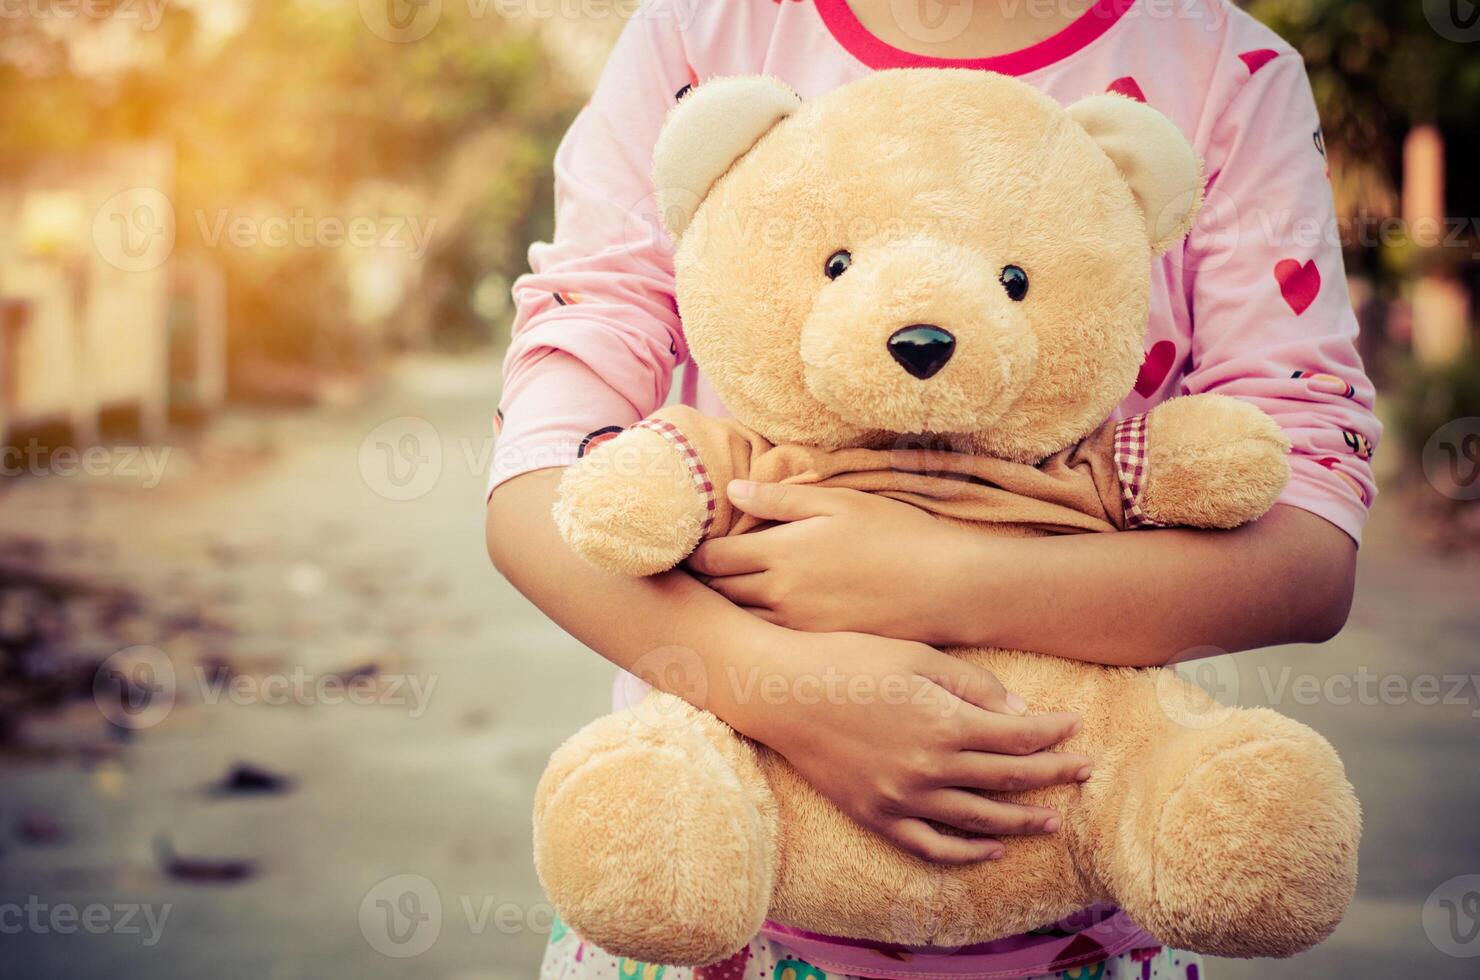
938,253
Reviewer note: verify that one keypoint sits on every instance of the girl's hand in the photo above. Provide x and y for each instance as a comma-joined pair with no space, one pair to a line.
903,738
841,560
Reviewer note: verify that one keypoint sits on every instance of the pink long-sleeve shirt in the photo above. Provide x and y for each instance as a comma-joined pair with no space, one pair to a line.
1255,304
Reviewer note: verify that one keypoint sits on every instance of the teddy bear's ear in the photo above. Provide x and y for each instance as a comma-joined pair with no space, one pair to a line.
1156,160
713,126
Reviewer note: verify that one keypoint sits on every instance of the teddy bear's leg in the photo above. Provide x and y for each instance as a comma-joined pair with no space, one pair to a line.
655,835
1232,832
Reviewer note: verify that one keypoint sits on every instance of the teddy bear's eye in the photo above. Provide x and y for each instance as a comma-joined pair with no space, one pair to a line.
1015,281
837,263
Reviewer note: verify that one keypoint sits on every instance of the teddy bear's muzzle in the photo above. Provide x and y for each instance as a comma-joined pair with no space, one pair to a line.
922,349
917,336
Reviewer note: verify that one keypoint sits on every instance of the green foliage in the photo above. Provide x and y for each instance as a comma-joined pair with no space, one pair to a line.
1428,398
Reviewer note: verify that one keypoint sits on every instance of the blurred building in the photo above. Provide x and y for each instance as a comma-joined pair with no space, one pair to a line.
99,321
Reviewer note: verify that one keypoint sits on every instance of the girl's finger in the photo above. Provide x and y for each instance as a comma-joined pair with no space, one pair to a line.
1012,773
743,590
973,685
928,844
733,556
976,814
786,501
986,731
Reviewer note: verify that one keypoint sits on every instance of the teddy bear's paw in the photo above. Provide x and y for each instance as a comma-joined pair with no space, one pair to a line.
1255,850
1212,461
648,844
631,506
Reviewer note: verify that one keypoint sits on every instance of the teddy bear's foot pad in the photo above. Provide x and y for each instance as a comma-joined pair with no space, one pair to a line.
693,897
1283,796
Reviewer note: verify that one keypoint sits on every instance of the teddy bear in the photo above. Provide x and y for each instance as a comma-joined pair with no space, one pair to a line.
934,284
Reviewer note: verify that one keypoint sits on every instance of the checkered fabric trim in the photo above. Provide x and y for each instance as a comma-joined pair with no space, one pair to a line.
1130,466
690,455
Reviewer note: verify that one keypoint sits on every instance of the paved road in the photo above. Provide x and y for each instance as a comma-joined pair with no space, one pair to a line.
285,531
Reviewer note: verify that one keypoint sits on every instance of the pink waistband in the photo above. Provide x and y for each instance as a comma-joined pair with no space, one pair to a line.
1086,937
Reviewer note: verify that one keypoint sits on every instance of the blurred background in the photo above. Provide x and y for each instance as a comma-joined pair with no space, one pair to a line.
265,711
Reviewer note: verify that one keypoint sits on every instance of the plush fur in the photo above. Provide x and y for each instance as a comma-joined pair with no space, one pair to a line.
607,516
662,835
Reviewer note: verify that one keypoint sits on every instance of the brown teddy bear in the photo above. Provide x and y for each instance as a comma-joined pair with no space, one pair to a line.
933,284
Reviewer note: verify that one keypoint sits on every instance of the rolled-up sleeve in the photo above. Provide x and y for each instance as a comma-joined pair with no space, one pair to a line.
1273,322
596,335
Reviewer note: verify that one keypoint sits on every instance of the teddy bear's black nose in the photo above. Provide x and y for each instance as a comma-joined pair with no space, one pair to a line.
922,349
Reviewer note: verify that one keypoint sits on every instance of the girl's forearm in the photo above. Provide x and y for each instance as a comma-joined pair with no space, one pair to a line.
1152,597
668,629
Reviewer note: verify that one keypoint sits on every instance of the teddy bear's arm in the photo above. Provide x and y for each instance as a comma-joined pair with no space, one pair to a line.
1201,461
640,503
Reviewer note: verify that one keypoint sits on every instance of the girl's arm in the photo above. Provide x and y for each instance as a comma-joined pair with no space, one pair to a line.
1152,597
855,561
596,336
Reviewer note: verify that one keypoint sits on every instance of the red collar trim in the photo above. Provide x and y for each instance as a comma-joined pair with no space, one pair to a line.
1086,29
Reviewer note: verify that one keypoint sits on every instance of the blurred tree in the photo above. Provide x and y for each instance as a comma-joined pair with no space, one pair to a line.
1397,84
1379,69
302,109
